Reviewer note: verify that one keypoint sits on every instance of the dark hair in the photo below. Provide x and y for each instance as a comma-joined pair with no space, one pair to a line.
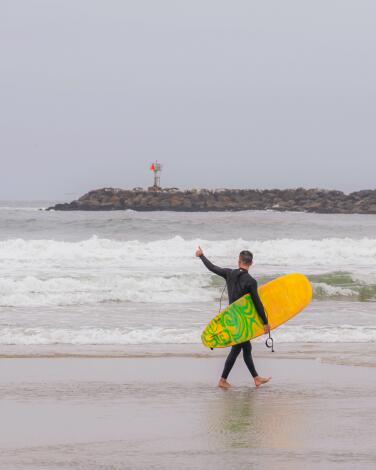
246,257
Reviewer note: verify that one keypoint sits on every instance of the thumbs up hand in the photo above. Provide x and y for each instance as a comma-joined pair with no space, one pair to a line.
199,252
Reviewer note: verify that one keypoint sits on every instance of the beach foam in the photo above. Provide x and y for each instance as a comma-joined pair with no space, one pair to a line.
157,335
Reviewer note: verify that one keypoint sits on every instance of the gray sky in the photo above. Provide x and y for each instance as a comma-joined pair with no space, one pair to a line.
224,93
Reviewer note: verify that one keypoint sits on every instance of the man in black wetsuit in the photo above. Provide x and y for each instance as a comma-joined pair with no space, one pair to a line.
239,282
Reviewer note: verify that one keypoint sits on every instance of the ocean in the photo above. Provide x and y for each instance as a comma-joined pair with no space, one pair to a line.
120,278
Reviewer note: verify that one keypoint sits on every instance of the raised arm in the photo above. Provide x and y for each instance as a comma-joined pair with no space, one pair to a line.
212,267
257,302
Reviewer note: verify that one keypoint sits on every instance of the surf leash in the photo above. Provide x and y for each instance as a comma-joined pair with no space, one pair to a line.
269,343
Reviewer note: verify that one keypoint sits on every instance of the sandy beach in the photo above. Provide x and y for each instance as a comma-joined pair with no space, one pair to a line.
164,411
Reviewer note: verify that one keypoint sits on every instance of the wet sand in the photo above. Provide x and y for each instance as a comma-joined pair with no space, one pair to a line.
164,412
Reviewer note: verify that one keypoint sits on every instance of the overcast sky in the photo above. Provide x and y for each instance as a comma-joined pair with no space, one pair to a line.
257,94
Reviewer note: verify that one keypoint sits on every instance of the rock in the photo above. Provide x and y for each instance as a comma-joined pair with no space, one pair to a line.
201,200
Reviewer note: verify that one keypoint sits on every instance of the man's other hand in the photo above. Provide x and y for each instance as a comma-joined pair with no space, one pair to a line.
199,252
267,329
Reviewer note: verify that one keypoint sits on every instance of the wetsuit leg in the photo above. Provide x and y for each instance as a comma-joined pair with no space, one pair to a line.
230,361
247,355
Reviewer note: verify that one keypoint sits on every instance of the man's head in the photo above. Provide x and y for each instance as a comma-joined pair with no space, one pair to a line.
245,259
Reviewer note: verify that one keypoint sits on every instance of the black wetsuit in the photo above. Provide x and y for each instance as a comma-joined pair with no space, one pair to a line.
239,282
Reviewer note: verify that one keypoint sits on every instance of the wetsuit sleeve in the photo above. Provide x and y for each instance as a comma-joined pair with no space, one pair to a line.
213,268
257,302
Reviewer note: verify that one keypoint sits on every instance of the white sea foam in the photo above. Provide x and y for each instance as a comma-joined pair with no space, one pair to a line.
325,334
117,336
323,289
97,336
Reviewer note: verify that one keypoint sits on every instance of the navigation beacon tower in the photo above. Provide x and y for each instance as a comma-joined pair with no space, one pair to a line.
156,168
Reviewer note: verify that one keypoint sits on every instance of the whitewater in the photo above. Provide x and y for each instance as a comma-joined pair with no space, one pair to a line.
119,278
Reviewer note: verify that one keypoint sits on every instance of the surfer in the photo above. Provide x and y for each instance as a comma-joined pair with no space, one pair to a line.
239,282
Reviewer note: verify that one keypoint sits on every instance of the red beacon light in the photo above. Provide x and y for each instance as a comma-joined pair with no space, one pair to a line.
156,168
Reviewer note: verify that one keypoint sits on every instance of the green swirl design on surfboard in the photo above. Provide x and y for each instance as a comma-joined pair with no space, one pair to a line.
233,325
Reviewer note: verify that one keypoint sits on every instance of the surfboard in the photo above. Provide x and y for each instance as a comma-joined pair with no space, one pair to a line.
283,298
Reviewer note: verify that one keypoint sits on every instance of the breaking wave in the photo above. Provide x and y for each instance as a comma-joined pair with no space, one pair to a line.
31,291
48,272
177,252
92,289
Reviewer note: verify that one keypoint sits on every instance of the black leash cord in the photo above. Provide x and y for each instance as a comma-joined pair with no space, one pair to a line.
220,300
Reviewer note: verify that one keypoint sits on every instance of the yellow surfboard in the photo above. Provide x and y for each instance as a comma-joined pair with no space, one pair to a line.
282,298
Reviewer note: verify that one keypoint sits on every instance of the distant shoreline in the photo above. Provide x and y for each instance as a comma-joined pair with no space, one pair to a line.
205,200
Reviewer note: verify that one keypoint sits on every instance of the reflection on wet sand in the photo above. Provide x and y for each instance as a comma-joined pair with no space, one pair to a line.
246,418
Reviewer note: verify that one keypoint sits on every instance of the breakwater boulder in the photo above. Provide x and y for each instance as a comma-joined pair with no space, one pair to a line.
201,200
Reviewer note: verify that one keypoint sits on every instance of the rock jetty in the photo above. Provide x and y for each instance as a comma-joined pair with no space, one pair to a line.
201,200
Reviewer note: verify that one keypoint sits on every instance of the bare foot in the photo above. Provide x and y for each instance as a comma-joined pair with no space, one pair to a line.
261,380
223,383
